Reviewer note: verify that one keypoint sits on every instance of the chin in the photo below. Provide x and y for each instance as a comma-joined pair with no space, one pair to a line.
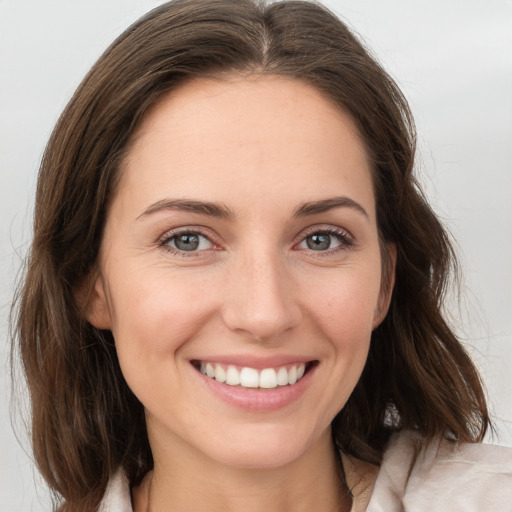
262,448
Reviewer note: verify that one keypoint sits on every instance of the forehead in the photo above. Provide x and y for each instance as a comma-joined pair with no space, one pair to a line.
257,137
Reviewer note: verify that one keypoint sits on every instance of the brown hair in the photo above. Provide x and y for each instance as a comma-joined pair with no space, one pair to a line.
85,420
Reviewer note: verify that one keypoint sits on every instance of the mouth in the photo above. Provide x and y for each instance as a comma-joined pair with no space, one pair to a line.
247,377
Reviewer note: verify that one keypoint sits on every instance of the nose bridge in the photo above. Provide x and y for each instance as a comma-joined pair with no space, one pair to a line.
261,301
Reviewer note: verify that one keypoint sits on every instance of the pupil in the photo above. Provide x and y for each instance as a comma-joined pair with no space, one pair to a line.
319,242
187,242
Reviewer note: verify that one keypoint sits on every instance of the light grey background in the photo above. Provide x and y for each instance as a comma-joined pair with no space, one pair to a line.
453,59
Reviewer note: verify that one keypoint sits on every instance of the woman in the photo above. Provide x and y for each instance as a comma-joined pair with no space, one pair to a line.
233,298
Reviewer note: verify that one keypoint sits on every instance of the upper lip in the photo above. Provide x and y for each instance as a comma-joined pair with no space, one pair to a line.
257,362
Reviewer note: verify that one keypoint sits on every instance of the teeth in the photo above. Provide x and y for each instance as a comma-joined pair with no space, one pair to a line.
292,375
220,373
232,376
269,378
210,371
249,378
282,376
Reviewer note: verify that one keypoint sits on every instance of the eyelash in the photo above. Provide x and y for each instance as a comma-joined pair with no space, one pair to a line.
171,235
346,241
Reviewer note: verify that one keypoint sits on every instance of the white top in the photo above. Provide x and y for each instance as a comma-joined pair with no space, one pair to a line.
412,478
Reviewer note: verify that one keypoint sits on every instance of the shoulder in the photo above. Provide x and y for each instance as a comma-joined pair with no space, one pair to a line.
442,475
414,477
117,497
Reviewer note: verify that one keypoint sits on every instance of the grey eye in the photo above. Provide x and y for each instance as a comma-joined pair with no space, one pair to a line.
186,242
322,241
319,242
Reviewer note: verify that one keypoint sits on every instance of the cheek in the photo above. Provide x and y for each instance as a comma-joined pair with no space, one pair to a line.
155,313
342,309
344,305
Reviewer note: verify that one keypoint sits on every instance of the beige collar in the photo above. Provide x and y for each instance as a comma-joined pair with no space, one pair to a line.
360,477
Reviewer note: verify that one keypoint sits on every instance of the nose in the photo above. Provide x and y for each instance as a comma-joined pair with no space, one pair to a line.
260,300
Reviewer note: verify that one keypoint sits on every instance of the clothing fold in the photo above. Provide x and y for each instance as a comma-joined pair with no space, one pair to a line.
440,476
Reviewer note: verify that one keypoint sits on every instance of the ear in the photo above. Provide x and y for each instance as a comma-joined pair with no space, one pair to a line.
91,297
387,283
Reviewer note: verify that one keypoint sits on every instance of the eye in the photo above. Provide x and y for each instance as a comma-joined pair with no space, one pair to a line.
188,241
323,240
319,241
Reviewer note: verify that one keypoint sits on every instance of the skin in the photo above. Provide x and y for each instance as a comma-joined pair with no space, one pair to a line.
260,147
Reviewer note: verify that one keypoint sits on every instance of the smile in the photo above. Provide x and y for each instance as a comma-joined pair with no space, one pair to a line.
247,377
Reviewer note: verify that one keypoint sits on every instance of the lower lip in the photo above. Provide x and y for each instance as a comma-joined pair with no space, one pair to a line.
256,399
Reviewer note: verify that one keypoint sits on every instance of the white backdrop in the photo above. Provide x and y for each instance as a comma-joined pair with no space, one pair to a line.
453,59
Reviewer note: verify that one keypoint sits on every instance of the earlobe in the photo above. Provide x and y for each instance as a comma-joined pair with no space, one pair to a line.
387,284
92,300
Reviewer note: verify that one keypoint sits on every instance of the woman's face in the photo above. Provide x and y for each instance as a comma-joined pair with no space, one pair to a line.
242,243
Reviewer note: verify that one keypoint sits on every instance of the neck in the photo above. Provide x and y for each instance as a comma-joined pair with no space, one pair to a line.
312,482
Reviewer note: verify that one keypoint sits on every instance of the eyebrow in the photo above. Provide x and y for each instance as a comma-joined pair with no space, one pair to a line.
189,205
323,205
222,211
